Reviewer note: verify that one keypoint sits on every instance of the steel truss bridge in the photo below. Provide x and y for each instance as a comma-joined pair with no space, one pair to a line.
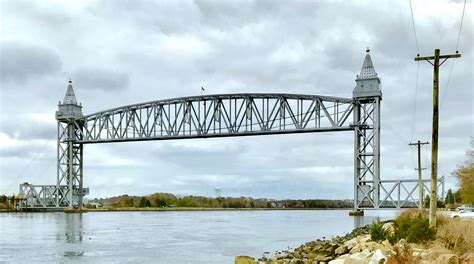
228,115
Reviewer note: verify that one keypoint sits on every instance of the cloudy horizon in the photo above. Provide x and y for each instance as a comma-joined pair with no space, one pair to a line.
124,52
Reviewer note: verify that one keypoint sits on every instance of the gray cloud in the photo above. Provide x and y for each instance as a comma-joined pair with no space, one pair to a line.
100,79
22,62
123,52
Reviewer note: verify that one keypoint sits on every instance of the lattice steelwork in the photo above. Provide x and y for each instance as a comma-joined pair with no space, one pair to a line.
218,116
366,152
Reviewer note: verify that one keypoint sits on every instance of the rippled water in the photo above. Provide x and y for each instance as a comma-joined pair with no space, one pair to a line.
165,237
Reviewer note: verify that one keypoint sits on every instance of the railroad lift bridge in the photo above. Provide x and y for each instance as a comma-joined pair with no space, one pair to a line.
228,115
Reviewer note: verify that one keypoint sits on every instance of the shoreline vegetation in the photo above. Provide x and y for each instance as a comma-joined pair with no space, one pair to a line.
406,239
171,202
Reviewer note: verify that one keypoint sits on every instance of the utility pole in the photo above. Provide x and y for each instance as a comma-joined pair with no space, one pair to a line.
434,139
420,180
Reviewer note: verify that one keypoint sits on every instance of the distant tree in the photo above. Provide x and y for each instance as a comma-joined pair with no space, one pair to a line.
449,197
147,203
465,175
142,202
129,202
427,201
3,199
159,202
457,197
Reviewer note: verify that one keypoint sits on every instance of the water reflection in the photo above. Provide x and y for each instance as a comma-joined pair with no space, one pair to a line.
73,231
73,228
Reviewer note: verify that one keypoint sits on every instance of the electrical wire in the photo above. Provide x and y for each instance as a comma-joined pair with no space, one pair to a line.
414,107
457,51
460,26
414,28
35,156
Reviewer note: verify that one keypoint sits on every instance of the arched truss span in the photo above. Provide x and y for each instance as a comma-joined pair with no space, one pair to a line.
217,116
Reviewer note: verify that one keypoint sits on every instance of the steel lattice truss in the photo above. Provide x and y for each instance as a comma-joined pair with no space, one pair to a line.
70,156
367,153
223,116
218,116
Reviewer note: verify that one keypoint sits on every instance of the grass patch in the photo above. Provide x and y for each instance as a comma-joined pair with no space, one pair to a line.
456,235
377,232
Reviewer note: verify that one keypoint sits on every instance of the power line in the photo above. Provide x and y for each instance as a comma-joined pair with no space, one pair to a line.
460,26
31,161
457,51
414,107
447,85
414,28
417,71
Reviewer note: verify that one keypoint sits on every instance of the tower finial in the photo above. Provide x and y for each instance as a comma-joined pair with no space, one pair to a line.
367,50
70,97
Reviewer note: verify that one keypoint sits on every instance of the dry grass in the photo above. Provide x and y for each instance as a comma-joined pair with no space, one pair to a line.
402,254
457,235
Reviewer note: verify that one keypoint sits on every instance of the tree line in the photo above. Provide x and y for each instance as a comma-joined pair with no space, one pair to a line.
170,200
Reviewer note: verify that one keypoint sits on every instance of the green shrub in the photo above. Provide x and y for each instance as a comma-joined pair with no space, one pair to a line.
377,232
413,226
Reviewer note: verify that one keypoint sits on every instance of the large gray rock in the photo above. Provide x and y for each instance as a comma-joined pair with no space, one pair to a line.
351,243
341,250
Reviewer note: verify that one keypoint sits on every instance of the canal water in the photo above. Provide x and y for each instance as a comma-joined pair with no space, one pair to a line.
166,237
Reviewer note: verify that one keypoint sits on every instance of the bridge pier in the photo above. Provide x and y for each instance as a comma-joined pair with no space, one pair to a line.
356,212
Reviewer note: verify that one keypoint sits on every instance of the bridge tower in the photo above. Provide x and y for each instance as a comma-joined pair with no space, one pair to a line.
367,96
69,191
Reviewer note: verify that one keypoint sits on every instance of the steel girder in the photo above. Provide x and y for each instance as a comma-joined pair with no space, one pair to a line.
218,116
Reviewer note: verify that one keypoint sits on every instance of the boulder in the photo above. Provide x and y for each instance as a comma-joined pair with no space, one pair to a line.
447,259
245,260
337,261
386,243
341,250
363,239
351,243
378,256
352,260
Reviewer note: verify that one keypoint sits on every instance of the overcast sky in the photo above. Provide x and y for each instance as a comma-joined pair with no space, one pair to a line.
124,52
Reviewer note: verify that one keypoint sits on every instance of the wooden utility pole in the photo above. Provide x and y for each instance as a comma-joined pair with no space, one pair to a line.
434,139
420,180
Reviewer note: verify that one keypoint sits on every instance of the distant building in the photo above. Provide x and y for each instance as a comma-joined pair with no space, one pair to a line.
95,205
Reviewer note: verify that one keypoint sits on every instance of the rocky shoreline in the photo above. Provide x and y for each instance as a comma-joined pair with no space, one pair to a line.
357,247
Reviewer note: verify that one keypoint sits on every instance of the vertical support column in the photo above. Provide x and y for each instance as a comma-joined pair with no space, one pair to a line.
356,120
81,176
70,164
58,166
376,149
